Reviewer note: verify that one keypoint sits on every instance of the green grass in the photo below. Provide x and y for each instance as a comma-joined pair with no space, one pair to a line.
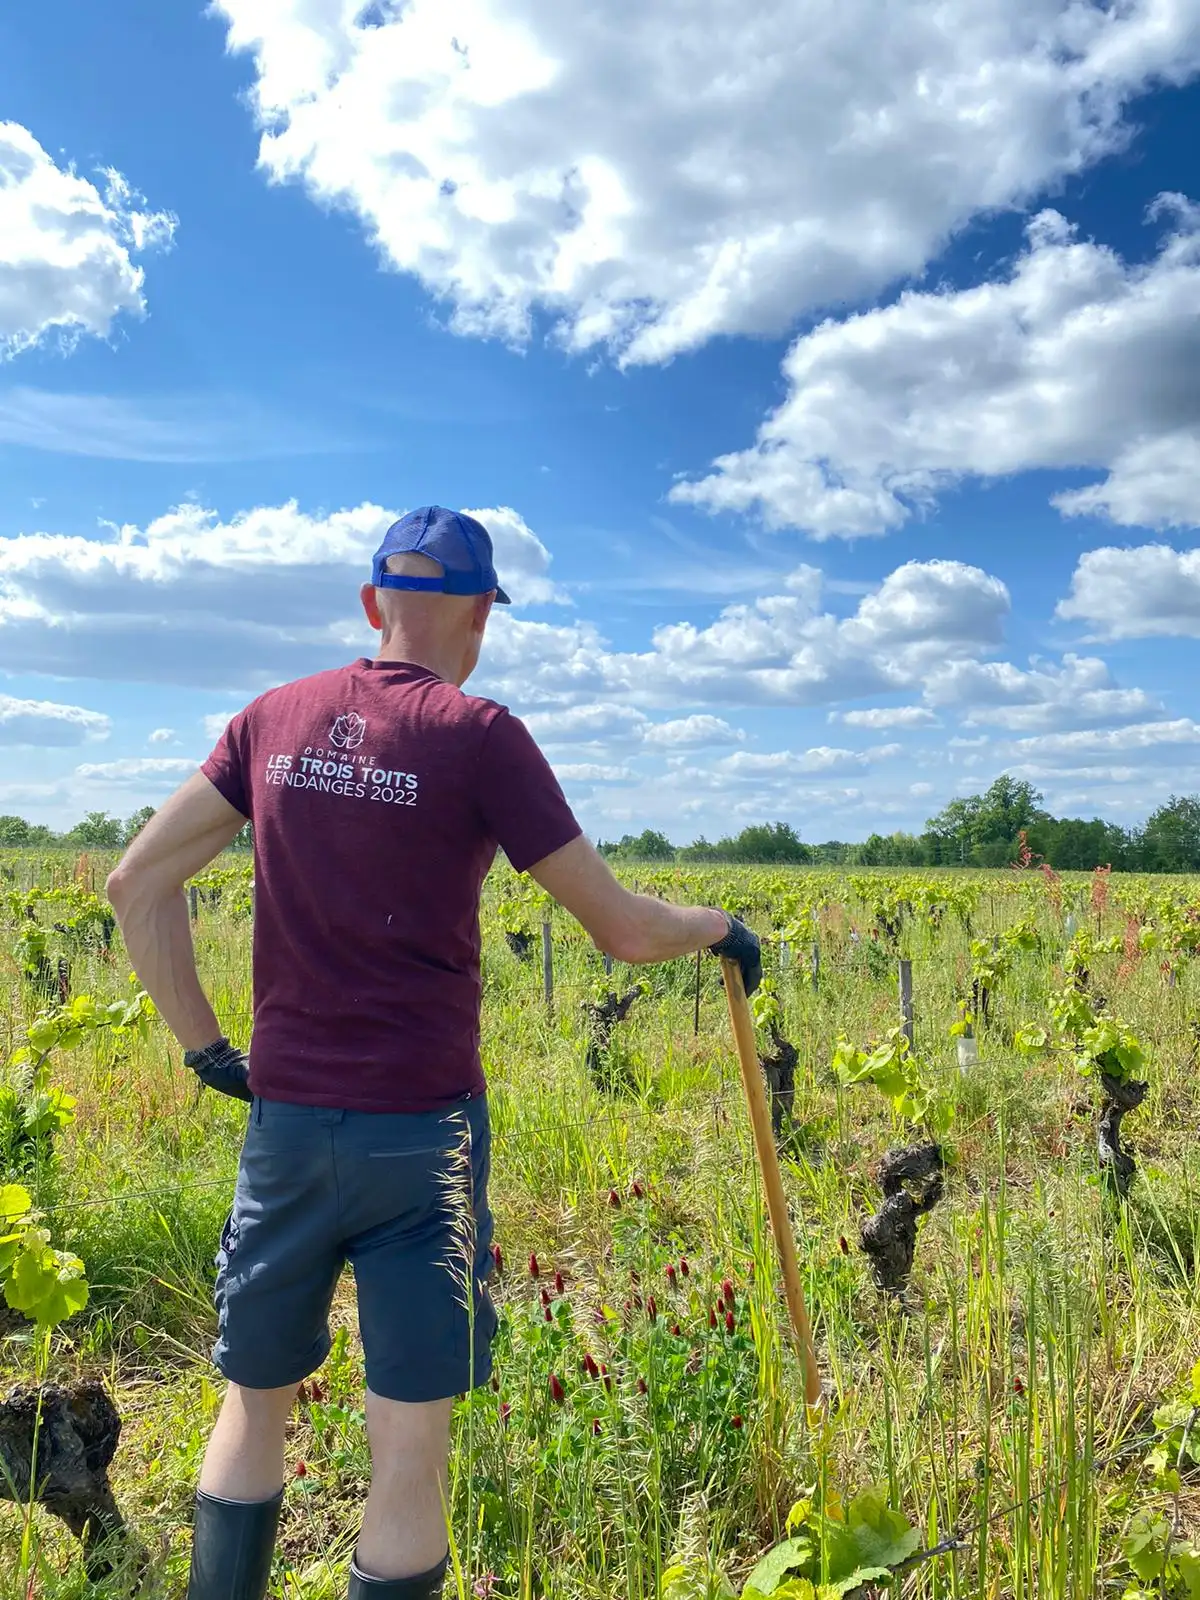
1044,1322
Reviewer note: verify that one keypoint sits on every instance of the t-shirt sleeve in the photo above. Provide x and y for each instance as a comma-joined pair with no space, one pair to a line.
522,804
228,767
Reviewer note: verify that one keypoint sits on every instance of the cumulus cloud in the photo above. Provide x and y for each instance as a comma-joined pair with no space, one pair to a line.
647,174
779,650
1149,591
162,736
1077,692
67,247
693,733
886,717
1075,359
143,771
592,772
47,723
269,594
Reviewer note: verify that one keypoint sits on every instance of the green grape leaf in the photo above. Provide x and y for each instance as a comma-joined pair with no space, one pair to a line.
789,1556
1145,1545
47,1285
1188,1563
873,1537
15,1203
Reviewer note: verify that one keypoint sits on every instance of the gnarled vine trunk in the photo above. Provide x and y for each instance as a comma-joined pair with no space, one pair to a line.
1117,1165
912,1181
779,1069
76,1434
602,1018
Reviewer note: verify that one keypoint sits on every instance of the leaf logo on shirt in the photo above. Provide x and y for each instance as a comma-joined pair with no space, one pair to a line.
348,732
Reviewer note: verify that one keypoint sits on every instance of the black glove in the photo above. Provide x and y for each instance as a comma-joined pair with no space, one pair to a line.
219,1066
742,946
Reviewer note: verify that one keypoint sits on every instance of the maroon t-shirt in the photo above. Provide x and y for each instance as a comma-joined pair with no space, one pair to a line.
379,794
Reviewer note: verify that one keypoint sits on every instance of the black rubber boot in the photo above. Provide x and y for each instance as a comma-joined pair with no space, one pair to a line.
423,1586
232,1547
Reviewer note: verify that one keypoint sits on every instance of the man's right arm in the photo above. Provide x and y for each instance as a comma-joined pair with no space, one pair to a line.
631,927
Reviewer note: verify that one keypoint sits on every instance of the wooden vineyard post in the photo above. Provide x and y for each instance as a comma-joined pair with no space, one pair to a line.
194,902
764,1143
548,966
906,1001
816,965
785,955
608,964
696,1004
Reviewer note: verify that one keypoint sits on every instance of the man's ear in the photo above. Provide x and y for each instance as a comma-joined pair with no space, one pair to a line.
369,596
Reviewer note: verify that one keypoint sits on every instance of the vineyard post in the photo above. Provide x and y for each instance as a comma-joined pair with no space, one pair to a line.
816,965
548,966
906,1001
696,1004
785,955
194,901
608,966
742,1024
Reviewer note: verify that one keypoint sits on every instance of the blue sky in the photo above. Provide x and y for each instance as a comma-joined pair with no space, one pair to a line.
830,382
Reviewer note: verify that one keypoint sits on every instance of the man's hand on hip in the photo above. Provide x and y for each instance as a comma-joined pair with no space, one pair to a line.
219,1066
742,946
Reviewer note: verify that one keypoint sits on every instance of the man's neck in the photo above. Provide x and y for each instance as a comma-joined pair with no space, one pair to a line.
428,653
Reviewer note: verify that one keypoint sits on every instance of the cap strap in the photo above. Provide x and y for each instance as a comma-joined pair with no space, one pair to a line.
400,580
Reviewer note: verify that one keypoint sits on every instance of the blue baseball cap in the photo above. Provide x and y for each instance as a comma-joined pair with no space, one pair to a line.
461,546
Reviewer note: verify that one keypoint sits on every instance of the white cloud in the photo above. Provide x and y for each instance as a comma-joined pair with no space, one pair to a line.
1135,594
920,791
1078,692
1074,360
66,249
47,723
162,736
886,717
270,594
780,650
657,175
696,732
591,772
821,758
143,771
522,560
215,724
1141,736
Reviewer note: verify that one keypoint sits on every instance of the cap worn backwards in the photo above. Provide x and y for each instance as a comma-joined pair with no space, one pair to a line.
461,546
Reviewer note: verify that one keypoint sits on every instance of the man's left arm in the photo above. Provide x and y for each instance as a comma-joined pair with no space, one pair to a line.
145,890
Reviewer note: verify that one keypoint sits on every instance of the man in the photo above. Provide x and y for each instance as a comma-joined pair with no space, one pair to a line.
379,793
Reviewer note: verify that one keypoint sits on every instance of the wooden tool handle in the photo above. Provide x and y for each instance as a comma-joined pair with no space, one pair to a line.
764,1142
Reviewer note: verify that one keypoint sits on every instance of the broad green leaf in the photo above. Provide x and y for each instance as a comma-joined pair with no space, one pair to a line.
1145,1545
790,1556
1188,1562
15,1202
47,1285
873,1536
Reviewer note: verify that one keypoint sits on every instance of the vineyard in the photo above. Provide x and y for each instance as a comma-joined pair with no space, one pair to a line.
985,1090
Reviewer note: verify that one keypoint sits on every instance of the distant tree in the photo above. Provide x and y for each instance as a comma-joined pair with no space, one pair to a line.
1170,841
98,831
136,823
13,831
982,829
245,838
772,842
645,846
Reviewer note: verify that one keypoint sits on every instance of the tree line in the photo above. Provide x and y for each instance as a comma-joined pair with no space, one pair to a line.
97,831
1007,825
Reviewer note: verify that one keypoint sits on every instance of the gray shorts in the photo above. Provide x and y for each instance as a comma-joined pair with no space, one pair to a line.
403,1199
